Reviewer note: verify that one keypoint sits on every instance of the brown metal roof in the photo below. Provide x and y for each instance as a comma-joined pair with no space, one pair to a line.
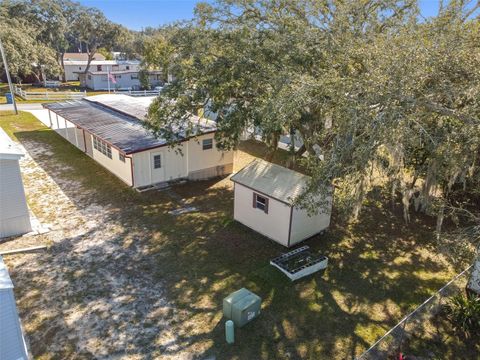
82,56
124,132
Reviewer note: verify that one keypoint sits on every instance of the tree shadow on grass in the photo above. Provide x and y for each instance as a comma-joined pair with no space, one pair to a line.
160,279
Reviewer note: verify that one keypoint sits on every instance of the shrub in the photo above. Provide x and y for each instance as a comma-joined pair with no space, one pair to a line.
464,314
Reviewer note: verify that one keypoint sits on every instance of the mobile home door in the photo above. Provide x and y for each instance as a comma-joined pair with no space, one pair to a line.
157,165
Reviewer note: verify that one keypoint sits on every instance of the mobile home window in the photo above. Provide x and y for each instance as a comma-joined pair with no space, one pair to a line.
134,77
99,67
121,157
127,67
260,202
102,147
207,144
157,162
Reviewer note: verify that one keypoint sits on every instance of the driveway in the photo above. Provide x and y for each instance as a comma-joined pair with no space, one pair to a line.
21,106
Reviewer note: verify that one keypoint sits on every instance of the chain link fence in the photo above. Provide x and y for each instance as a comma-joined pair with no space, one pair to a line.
418,322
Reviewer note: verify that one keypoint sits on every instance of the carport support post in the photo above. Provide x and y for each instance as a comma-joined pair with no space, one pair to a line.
58,124
50,118
66,129
76,138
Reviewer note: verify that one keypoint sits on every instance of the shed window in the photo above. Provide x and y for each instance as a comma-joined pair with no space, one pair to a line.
102,147
207,144
121,157
260,202
157,161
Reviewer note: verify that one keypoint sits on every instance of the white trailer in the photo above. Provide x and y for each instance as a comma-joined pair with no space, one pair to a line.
14,214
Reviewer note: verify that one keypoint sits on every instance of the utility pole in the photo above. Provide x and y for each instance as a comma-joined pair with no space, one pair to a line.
4,58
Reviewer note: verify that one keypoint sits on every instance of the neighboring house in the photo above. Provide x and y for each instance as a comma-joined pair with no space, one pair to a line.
82,57
12,342
109,129
119,79
75,68
75,62
14,215
264,195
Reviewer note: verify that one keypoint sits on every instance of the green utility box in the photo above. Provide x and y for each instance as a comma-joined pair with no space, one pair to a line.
242,306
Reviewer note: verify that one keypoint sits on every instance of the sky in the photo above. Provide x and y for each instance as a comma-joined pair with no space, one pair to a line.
138,14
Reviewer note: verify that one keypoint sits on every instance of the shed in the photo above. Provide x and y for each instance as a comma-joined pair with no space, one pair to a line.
264,201
14,215
12,342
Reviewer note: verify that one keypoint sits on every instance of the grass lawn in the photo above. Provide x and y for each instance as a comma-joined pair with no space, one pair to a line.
379,268
440,341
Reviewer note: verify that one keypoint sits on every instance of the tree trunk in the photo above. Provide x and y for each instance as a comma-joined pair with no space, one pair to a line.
273,146
91,54
62,64
37,77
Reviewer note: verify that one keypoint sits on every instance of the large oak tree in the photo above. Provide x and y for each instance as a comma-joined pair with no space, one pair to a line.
372,87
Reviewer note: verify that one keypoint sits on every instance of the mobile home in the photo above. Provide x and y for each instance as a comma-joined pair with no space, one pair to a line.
109,129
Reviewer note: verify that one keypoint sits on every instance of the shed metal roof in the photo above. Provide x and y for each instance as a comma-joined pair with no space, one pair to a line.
118,121
272,180
82,56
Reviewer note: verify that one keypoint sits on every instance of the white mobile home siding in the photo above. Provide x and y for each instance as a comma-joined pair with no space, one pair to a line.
122,170
203,164
70,72
274,225
14,215
188,160
100,82
173,166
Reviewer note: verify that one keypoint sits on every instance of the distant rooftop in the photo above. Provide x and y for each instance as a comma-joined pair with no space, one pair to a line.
9,150
117,119
102,62
272,180
82,56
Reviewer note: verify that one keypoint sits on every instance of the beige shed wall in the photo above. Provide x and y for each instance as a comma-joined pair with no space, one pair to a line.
274,225
304,226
